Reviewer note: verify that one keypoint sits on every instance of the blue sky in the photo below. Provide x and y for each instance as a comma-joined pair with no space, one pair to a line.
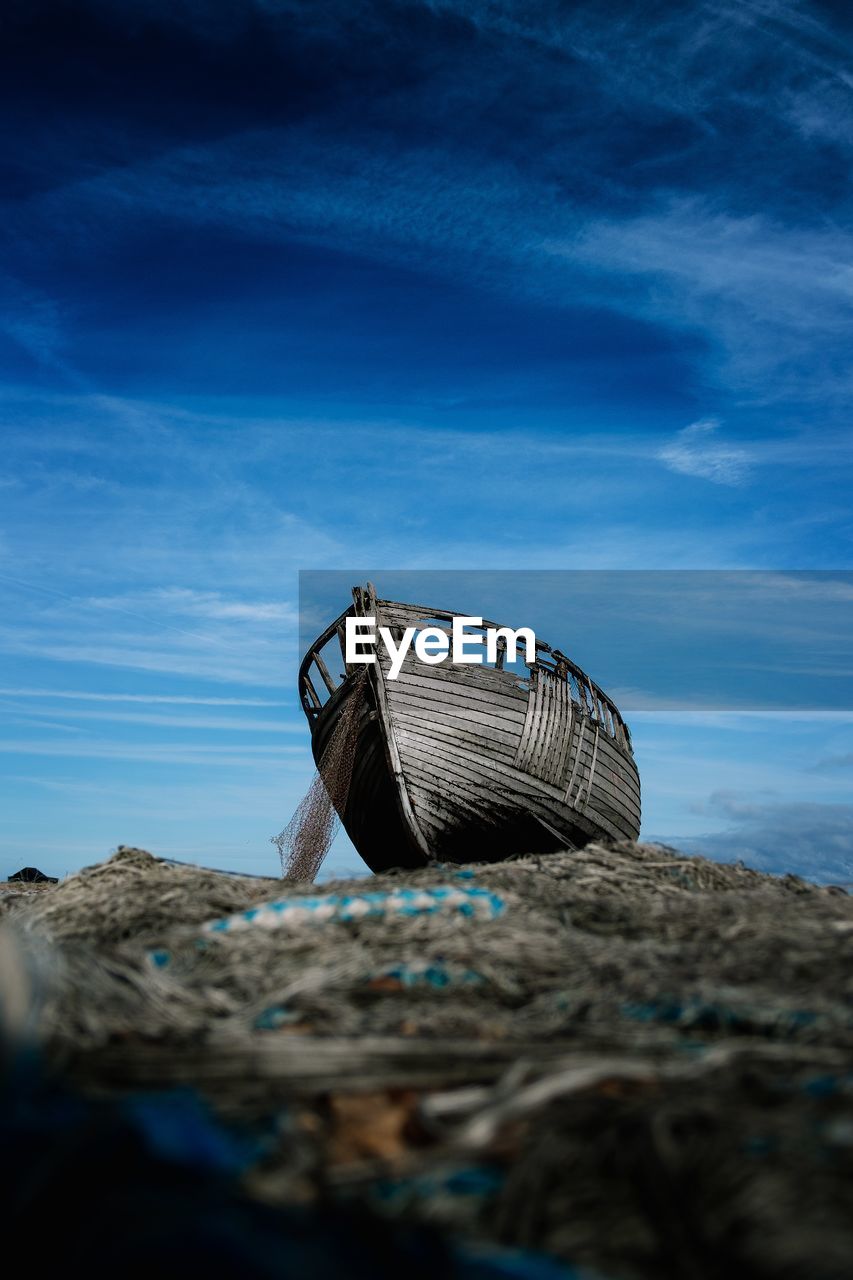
446,285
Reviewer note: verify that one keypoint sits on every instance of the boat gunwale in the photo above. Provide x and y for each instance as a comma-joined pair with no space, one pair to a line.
561,661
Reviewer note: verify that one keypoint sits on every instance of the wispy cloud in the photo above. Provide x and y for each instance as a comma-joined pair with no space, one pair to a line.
192,603
260,664
687,225
602,479
206,634
696,451
807,839
209,723
207,754
692,58
761,286
834,588
772,299
171,699
34,320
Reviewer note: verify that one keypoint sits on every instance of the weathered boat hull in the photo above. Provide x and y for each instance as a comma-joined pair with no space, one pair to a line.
371,813
475,763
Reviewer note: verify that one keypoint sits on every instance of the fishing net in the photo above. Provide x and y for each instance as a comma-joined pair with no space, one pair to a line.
629,1059
305,841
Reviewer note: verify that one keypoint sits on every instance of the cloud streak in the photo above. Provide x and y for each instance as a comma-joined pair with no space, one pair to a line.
229,724
250,756
802,838
89,695
696,451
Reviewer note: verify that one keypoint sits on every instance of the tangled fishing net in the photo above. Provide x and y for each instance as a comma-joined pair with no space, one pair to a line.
628,1059
305,841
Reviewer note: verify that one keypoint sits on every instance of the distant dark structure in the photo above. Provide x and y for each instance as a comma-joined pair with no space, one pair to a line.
32,875
467,763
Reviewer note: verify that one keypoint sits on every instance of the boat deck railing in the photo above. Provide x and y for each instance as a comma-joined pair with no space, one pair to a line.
318,680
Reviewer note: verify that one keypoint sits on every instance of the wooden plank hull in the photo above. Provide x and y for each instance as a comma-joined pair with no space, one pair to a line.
472,763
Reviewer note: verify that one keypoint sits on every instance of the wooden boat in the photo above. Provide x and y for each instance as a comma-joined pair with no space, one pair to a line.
467,763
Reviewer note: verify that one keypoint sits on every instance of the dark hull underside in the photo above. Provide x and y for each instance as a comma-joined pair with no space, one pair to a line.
487,766
372,817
